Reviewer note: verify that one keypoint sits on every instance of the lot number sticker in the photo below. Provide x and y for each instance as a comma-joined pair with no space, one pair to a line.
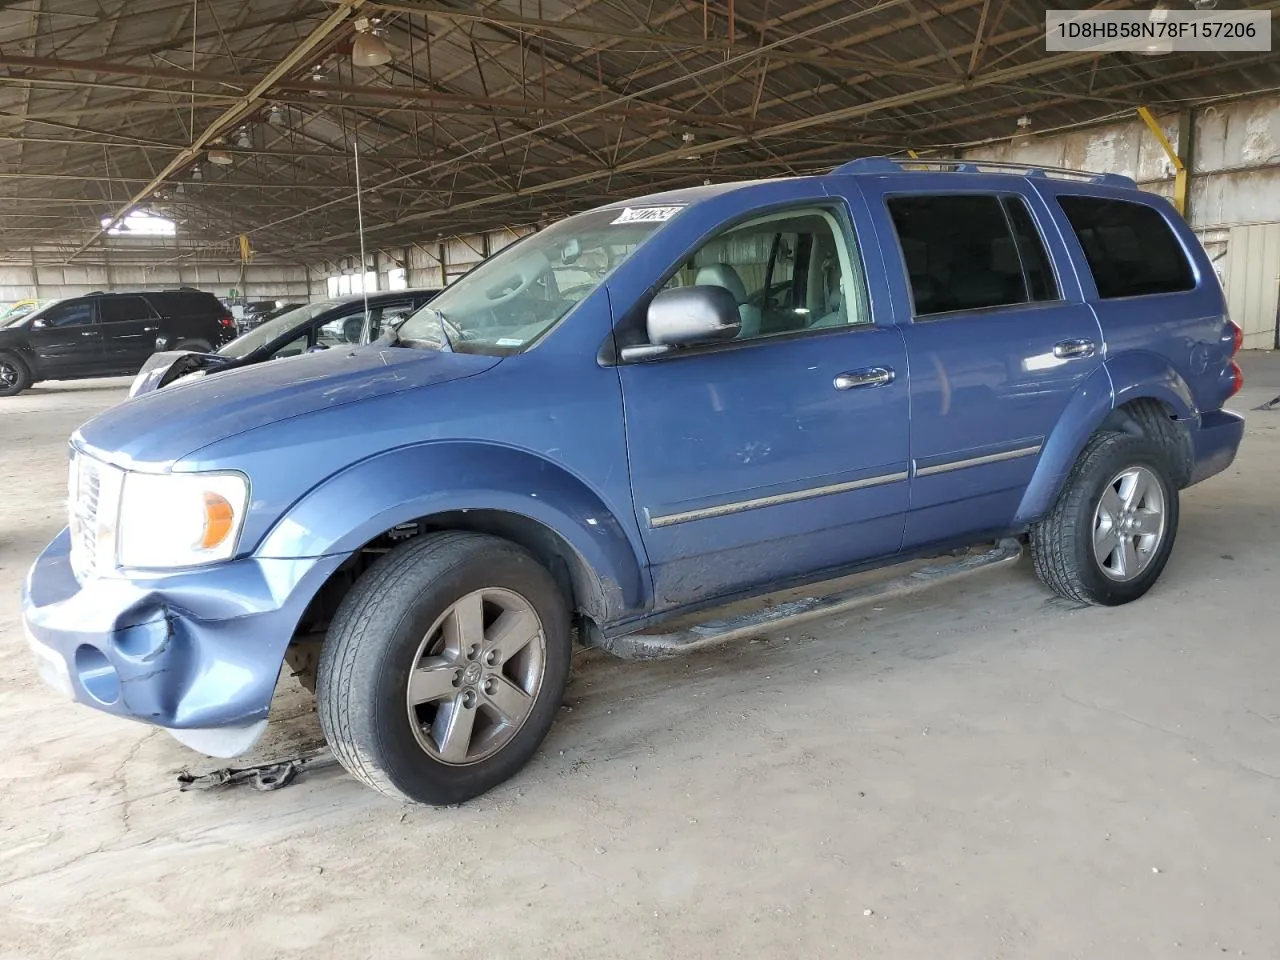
646,214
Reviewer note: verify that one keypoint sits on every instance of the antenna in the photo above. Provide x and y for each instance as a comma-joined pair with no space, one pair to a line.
364,287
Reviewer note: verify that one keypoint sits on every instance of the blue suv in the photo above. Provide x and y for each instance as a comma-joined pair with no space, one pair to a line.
646,410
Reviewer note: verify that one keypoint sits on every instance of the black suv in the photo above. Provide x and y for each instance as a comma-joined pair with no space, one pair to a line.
107,334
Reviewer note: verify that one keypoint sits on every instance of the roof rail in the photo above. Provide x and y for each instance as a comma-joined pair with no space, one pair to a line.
895,165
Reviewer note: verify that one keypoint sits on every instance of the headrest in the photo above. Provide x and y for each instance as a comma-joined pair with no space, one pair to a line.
722,275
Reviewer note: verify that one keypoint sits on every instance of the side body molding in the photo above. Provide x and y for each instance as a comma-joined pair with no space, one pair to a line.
369,497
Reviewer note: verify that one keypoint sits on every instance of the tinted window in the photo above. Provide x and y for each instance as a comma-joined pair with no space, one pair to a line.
73,314
1036,266
111,309
789,274
961,254
1130,249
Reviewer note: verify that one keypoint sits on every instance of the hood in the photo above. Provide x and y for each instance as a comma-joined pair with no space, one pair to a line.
161,427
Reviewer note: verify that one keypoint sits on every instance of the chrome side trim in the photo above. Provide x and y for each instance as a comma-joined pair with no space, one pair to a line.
978,461
724,509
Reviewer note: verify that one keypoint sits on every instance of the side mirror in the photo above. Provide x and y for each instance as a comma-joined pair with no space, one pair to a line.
684,317
39,324
318,347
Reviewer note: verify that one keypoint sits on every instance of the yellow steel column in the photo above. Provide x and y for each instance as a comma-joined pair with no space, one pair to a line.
1179,168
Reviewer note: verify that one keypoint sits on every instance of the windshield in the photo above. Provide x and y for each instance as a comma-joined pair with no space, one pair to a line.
263,334
512,299
22,312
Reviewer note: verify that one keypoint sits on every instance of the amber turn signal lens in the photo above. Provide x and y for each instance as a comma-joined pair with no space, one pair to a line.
218,519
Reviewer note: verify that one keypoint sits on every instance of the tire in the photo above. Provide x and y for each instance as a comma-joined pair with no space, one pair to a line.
195,346
1066,545
15,376
407,612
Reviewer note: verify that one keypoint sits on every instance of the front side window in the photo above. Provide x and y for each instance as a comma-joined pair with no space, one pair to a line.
517,295
1130,248
970,252
75,314
788,273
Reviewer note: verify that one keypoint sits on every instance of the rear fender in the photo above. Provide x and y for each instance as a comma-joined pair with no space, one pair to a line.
1133,375
398,486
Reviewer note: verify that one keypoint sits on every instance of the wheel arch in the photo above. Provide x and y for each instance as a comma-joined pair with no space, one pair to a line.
482,487
1138,393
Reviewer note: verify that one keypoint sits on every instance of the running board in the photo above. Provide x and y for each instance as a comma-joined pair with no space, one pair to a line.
649,646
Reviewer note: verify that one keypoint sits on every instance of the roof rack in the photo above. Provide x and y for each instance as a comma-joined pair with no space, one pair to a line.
895,165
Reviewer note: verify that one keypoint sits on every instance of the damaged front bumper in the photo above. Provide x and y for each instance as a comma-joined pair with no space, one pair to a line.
195,651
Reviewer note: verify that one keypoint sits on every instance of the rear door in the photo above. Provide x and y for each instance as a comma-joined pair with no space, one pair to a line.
129,329
66,341
998,341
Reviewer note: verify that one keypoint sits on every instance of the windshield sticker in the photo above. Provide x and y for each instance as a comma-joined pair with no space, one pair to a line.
646,214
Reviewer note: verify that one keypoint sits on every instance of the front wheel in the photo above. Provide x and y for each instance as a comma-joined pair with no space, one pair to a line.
1111,531
14,375
444,667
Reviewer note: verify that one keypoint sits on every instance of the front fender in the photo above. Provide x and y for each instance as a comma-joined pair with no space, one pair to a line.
370,497
1133,375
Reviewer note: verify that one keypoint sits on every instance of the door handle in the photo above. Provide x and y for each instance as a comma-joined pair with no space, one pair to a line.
869,377
1074,349
88,333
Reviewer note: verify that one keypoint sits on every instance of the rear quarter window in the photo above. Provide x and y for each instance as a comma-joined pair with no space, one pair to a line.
1130,248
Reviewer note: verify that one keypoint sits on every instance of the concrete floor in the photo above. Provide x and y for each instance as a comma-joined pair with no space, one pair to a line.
979,771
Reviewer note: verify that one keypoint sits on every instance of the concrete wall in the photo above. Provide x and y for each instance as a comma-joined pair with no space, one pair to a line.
20,281
425,264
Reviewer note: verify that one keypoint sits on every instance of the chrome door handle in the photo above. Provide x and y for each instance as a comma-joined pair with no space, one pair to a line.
870,377
1074,349
87,333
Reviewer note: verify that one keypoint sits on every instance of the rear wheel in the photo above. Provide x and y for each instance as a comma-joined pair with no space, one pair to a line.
14,375
1111,531
444,667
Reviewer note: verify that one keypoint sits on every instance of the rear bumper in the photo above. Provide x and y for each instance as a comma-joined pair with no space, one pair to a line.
198,652
1214,443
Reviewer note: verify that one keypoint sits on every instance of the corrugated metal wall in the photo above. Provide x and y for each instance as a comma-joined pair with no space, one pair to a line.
1253,282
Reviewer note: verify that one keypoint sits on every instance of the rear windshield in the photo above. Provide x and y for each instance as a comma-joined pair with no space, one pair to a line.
1130,247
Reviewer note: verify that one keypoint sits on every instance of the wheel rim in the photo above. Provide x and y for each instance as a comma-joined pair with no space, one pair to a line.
8,373
476,676
1129,523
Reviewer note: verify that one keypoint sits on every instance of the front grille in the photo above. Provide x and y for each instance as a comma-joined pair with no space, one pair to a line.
84,490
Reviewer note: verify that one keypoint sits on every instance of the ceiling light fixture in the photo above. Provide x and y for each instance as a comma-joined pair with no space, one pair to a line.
243,140
276,116
220,157
369,49
1160,45
319,75
197,173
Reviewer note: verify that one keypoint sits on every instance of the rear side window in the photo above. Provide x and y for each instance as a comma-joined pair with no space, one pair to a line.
113,309
970,252
1130,248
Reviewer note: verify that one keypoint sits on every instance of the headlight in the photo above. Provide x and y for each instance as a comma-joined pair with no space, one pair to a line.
179,519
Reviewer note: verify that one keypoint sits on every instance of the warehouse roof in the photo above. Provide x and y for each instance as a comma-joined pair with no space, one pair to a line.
509,112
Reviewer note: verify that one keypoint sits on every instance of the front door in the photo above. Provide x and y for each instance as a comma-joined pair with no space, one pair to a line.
129,327
998,343
783,453
66,341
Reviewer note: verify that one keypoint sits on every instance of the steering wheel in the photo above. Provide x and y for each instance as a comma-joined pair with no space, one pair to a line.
520,276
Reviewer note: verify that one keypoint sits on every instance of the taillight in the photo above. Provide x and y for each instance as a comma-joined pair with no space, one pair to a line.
1237,337
1237,375
227,321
